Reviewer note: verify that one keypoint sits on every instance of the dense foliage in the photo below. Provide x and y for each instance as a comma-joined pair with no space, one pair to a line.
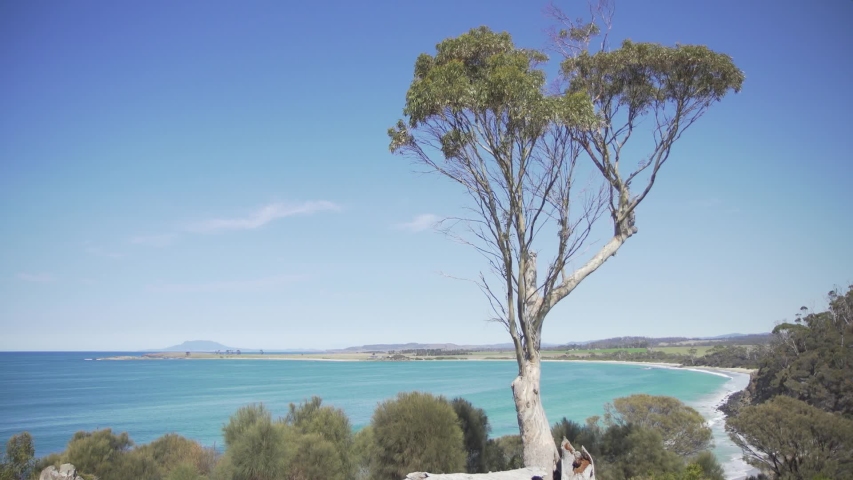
791,439
504,453
732,356
18,460
412,432
475,432
416,432
632,441
311,443
795,420
255,445
682,429
812,358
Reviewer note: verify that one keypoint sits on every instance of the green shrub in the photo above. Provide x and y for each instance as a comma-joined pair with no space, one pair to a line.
97,453
313,457
362,453
136,463
313,420
629,451
19,459
184,471
787,437
566,428
504,453
682,428
711,468
475,432
416,432
172,450
255,445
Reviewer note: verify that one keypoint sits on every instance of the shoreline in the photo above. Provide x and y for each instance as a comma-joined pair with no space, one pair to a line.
736,379
362,358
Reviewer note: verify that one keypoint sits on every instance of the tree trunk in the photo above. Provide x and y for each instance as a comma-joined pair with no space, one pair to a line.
539,448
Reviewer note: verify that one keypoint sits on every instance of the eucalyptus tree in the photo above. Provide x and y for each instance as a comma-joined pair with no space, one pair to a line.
478,112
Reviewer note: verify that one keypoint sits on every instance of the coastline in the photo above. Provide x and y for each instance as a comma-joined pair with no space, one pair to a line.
361,357
728,454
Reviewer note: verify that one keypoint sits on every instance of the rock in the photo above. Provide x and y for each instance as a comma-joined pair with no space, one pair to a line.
66,472
520,474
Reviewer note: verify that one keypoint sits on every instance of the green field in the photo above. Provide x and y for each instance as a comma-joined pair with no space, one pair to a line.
683,350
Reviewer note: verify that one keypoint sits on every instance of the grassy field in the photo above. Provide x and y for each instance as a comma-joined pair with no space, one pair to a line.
683,350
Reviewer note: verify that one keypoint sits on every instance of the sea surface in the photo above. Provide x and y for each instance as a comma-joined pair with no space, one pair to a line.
54,394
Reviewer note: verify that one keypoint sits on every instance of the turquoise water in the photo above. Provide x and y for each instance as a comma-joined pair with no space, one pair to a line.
53,395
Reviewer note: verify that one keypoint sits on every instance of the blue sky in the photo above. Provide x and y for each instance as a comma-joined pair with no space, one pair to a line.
219,170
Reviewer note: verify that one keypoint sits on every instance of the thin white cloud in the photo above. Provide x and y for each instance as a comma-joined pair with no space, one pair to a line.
159,241
251,285
263,216
37,277
425,221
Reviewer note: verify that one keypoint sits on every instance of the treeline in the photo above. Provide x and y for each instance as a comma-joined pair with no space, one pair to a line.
639,437
795,420
724,356
648,342
434,352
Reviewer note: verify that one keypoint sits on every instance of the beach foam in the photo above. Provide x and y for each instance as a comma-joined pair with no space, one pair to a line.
729,454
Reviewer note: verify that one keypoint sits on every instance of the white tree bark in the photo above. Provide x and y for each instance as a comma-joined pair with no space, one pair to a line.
520,474
539,448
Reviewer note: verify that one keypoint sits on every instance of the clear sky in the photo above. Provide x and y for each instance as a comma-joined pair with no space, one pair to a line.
173,171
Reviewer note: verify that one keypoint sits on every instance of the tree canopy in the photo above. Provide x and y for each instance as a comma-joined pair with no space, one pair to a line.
682,428
416,432
475,433
478,113
19,457
811,359
791,439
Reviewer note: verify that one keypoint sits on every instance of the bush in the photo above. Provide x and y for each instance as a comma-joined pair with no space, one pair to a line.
18,461
504,453
416,432
172,450
788,437
475,432
313,457
97,453
362,453
711,468
566,428
329,430
255,445
184,471
136,463
682,428
630,451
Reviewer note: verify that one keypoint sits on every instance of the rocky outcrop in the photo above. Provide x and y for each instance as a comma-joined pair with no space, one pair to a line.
66,471
520,474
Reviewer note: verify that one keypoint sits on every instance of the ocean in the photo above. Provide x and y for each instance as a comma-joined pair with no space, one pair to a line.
54,394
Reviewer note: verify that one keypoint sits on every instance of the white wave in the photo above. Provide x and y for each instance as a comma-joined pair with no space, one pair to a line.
728,454
711,372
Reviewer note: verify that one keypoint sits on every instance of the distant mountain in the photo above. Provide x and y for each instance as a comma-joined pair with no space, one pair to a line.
728,335
197,346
